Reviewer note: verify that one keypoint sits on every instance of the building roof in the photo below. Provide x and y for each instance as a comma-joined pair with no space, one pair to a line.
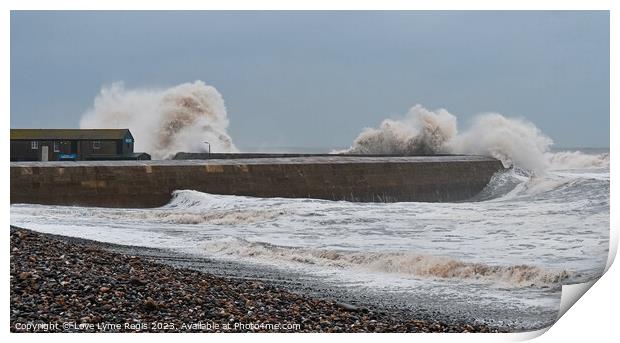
68,134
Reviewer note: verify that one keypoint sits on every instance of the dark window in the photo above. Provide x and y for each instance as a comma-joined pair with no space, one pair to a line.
34,145
56,146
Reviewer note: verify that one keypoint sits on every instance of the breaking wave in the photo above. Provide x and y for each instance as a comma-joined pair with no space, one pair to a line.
515,184
164,122
187,207
514,141
423,266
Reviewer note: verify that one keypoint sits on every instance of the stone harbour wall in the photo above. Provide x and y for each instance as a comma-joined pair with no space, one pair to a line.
139,184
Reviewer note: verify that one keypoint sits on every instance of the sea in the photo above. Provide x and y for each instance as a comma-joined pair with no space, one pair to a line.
500,258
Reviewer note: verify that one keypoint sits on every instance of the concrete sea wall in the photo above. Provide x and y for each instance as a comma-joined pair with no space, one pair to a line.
151,183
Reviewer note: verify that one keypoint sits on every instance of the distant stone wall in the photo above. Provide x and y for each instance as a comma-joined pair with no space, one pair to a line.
245,155
151,183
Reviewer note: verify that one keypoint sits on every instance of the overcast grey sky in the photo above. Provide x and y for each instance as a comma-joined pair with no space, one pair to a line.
316,79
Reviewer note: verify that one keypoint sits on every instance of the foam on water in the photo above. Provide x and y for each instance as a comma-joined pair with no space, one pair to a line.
421,266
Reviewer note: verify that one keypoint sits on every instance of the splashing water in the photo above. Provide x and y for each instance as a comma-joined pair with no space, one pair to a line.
188,116
420,132
516,142
164,122
513,141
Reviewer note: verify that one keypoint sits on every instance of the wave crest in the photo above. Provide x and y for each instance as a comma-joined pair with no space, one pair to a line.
424,266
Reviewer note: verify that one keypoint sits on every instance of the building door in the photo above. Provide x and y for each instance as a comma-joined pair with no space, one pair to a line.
44,153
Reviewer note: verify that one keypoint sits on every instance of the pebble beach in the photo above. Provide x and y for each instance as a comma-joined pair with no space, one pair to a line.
59,285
